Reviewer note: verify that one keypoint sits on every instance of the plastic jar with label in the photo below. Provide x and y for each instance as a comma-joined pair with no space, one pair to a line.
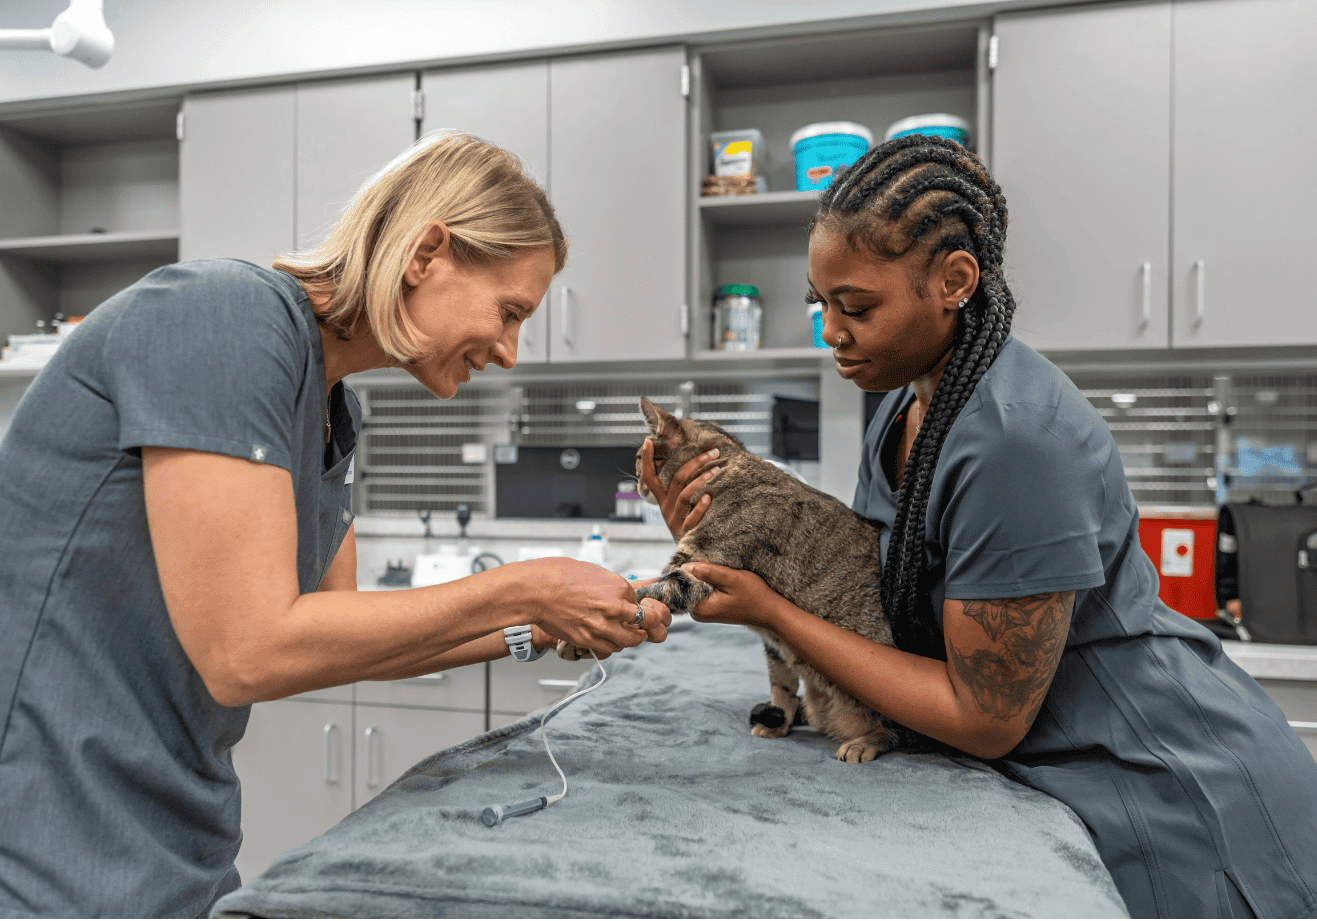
737,318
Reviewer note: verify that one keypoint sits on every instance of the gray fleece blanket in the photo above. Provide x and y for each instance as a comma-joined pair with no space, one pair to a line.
676,810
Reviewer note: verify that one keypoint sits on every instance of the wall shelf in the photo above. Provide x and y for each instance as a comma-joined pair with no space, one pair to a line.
760,208
93,247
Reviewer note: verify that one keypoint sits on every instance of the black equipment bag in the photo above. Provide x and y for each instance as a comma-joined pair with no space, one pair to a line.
1266,556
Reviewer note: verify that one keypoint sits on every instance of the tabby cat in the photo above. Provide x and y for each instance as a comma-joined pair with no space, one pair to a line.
807,546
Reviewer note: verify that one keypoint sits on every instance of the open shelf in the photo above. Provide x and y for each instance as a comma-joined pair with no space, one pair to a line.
761,208
790,352
94,247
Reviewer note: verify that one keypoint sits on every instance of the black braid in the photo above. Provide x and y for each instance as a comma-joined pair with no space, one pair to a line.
932,192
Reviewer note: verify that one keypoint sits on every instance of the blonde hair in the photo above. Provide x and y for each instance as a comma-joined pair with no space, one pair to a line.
493,211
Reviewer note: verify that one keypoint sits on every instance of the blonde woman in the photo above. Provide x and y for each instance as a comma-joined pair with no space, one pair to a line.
176,544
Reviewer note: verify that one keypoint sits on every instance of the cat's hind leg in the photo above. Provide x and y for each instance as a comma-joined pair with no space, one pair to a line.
773,720
862,733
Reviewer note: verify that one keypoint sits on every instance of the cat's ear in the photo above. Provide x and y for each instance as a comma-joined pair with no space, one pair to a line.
660,423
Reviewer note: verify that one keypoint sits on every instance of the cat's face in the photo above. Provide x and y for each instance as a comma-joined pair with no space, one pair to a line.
677,441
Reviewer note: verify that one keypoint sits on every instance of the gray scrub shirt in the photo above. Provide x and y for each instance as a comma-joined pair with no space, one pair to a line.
1199,796
117,792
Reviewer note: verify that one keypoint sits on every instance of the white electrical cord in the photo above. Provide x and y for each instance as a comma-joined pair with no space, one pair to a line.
492,815
544,733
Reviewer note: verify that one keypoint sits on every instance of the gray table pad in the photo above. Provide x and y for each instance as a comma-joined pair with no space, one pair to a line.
676,810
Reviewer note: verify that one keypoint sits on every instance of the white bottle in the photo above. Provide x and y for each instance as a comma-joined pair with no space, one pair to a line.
594,549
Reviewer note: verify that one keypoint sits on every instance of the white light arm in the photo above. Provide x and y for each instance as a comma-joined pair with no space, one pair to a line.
79,33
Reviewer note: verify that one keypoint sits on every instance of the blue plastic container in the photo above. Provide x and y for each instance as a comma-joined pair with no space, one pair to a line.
822,149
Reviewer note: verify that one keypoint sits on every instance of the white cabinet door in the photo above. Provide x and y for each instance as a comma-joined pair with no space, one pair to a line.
1081,134
295,767
1244,183
617,177
507,105
236,175
347,130
390,740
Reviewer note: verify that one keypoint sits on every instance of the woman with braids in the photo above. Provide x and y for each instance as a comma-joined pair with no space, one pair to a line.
1026,616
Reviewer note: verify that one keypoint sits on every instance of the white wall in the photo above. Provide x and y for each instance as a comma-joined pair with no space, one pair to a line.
186,43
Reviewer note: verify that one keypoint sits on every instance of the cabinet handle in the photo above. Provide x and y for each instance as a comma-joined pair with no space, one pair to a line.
371,781
331,760
1302,724
557,683
1147,294
1200,268
564,307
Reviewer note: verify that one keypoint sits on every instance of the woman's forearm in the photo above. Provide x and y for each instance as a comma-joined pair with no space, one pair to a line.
914,691
326,639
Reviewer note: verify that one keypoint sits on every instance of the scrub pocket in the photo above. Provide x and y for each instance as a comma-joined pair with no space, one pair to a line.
335,514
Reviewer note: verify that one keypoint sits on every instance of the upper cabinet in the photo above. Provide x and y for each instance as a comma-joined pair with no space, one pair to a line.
617,179
1153,165
237,174
1081,139
347,131
266,171
1244,183
507,105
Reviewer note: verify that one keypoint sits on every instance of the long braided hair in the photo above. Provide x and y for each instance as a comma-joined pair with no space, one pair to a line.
930,192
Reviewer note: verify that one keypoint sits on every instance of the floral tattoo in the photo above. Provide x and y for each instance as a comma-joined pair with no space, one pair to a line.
1029,635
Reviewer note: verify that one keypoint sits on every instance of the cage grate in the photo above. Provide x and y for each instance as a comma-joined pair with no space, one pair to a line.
412,456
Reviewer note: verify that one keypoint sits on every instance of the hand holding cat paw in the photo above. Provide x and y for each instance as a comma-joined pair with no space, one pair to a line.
681,511
739,596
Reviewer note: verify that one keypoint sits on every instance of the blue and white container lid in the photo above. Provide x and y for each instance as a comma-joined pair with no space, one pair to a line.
940,125
821,128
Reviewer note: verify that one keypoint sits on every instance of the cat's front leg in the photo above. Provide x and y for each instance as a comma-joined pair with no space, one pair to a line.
775,719
678,590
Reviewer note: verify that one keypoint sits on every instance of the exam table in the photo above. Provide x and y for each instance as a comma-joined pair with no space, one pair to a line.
675,810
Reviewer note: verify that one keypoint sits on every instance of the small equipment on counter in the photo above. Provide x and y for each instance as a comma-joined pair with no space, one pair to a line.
823,148
737,318
35,349
939,125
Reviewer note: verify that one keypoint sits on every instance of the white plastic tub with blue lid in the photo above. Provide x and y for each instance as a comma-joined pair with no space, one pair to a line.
939,125
824,148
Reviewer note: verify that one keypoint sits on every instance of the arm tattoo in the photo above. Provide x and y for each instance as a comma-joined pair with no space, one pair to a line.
1014,674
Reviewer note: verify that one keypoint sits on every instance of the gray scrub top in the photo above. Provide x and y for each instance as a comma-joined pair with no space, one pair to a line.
117,792
1201,799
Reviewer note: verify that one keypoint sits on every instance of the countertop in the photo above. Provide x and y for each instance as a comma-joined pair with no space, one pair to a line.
1273,660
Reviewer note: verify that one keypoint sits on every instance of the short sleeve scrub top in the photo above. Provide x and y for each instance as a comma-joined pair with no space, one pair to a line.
1200,798
117,792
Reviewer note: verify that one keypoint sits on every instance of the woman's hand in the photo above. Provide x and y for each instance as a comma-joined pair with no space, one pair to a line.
680,511
739,596
588,606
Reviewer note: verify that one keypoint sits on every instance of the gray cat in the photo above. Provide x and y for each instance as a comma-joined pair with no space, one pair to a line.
808,547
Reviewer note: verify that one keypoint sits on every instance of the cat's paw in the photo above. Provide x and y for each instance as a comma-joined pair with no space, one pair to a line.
865,748
768,721
571,652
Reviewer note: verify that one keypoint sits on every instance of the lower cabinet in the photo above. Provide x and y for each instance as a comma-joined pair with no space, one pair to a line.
517,688
295,765
308,761
391,740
